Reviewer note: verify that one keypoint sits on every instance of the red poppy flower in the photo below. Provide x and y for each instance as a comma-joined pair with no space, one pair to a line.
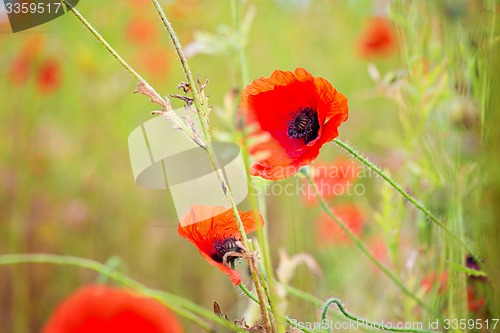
22,64
329,233
49,76
378,38
213,230
474,303
141,30
155,61
298,112
429,281
378,248
19,70
103,309
331,179
139,3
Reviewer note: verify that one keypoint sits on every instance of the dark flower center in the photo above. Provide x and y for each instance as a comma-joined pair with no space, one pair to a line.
224,246
305,125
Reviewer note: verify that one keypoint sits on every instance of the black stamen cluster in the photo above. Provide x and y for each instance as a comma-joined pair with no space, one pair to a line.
305,125
224,246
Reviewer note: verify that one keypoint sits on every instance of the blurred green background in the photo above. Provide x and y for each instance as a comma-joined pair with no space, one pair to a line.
66,186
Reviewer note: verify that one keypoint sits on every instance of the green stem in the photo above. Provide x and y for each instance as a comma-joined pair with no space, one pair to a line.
178,304
202,111
252,195
313,300
364,321
408,197
360,245
173,115
114,263
288,320
105,43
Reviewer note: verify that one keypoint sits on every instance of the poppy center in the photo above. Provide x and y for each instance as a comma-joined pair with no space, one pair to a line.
224,246
304,125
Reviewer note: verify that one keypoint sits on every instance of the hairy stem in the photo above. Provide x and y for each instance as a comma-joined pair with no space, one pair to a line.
366,323
202,110
252,195
288,320
111,50
408,197
360,245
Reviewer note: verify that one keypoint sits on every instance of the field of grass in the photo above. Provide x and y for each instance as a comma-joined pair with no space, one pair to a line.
421,80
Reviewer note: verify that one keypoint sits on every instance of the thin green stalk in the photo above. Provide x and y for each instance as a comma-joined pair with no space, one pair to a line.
360,245
288,320
261,234
129,68
408,197
105,43
302,294
364,321
313,300
202,111
178,304
114,263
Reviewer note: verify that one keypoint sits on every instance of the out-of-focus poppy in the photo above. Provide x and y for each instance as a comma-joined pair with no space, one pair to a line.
329,233
23,63
103,309
155,61
19,70
213,230
430,280
474,303
378,38
48,78
299,112
331,179
139,3
379,249
141,30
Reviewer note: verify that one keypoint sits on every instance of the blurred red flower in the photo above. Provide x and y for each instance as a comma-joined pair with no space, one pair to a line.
48,78
213,230
22,64
19,70
299,112
329,233
378,38
103,309
141,30
378,248
139,3
155,61
331,179
429,281
474,303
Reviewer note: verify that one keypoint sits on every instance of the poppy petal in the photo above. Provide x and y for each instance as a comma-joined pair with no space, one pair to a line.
299,112
205,226
104,309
